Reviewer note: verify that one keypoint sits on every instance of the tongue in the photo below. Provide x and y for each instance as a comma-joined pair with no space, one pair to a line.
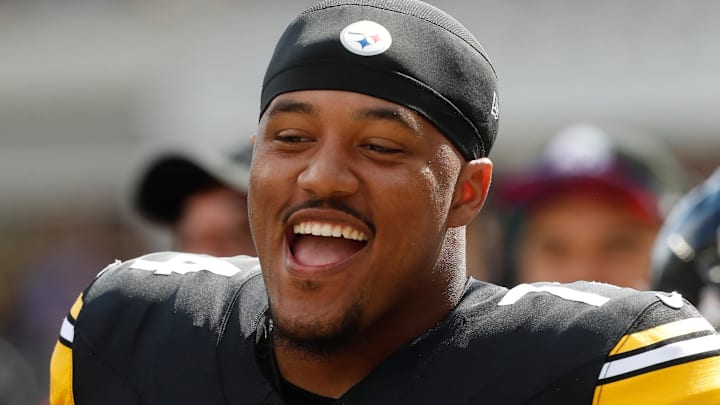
321,251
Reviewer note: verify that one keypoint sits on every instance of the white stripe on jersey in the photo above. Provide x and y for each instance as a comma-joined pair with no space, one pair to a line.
67,330
673,351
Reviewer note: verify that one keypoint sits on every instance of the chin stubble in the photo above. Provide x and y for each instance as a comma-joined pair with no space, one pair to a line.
317,338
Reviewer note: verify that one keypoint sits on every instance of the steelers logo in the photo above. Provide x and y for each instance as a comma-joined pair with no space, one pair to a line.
366,38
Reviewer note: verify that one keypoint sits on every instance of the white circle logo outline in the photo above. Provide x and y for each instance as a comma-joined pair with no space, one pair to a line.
366,38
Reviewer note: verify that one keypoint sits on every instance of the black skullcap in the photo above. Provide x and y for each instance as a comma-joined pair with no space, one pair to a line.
433,65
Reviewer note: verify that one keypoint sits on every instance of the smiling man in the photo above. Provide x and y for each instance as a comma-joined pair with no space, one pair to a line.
347,259
370,159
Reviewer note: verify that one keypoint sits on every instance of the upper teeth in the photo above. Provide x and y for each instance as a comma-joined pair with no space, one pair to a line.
325,229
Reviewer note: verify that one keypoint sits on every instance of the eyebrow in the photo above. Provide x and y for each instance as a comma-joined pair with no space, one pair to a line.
399,115
291,106
402,116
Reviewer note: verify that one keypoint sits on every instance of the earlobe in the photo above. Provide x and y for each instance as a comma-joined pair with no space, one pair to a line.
471,191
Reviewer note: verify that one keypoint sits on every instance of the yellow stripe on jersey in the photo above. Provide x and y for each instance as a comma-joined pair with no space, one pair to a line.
61,376
61,392
659,333
75,309
695,382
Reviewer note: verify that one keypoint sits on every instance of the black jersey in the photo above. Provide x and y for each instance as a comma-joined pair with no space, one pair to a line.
172,328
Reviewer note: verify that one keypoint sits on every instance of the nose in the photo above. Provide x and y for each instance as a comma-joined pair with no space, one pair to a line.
328,173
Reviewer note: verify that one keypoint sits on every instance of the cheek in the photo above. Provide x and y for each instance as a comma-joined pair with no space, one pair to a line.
437,200
261,197
267,172
421,203
439,178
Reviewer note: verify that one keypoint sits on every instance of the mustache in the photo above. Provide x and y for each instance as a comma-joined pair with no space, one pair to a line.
329,203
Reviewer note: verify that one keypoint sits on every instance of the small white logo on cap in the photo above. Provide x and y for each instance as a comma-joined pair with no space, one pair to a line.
366,38
674,300
495,109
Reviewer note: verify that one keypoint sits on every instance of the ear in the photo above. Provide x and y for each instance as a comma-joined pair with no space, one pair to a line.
471,191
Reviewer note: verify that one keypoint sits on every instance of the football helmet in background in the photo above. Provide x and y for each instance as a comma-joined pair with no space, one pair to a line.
686,255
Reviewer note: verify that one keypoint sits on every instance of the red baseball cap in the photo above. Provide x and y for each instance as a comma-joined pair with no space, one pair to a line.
583,157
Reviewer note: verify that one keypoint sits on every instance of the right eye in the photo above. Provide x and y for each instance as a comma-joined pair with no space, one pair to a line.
291,141
291,138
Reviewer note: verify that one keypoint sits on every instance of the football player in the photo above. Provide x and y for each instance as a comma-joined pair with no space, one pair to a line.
371,156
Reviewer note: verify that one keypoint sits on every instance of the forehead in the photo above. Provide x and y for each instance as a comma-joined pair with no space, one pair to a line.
338,107
324,102
338,103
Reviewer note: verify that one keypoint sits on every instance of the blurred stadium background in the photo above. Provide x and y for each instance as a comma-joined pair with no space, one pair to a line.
86,86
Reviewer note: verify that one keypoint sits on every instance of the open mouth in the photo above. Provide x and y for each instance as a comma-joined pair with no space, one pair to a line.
316,243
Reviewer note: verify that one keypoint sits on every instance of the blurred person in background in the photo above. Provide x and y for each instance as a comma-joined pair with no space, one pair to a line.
588,209
200,195
60,261
18,384
686,255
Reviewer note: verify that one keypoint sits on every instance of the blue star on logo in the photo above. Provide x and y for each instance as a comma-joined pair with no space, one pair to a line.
363,42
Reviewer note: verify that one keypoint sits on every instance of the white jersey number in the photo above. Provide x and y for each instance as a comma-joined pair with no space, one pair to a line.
519,291
187,263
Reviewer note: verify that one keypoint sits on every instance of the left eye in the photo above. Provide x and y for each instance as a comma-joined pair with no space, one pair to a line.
381,149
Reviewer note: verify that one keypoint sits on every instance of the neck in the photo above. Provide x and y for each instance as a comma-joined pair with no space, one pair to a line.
329,375
334,372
